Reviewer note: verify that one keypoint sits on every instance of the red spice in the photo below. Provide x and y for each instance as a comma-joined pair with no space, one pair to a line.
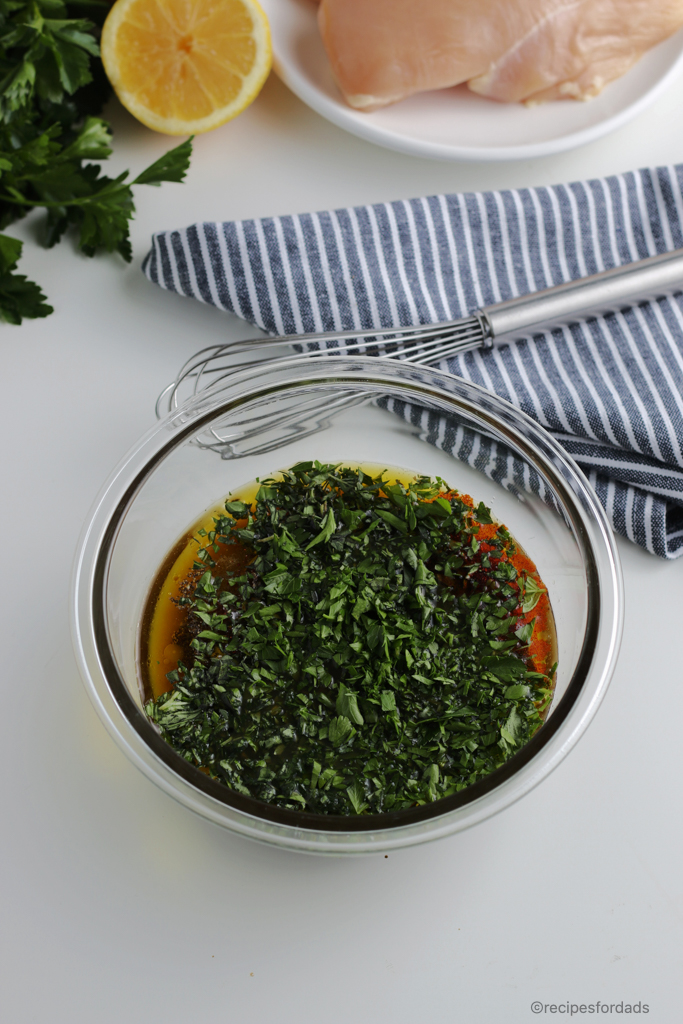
542,649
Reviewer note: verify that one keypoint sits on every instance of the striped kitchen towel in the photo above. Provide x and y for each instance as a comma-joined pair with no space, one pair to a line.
609,389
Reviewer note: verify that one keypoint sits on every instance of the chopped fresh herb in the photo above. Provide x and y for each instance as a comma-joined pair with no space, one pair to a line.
373,655
532,594
52,86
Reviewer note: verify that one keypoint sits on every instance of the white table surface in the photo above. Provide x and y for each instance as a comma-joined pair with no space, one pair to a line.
120,905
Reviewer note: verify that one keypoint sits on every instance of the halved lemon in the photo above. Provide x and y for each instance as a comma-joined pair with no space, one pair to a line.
186,66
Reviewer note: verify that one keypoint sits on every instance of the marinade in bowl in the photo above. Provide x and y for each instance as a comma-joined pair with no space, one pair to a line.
354,413
342,640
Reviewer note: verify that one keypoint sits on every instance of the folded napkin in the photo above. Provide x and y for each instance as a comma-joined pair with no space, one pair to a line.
609,389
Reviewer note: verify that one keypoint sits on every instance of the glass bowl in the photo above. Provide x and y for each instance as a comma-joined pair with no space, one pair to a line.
366,411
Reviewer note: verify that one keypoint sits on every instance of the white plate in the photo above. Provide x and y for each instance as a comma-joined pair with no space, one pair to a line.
455,124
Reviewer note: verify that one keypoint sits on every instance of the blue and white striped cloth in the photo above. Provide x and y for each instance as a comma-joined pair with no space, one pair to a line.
609,389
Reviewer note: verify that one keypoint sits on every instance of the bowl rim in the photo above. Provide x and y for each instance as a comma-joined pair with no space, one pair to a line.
372,375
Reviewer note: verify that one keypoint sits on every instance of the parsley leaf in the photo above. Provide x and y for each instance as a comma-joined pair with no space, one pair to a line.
19,297
532,594
52,87
172,166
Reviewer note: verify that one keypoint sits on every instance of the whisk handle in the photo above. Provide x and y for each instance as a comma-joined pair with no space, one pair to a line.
608,292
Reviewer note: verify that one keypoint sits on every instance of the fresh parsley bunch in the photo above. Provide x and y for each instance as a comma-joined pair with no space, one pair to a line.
374,656
52,87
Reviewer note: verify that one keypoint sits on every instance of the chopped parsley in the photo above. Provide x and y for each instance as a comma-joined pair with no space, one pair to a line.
373,655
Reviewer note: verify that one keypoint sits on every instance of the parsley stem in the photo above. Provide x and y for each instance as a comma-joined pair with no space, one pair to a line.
57,204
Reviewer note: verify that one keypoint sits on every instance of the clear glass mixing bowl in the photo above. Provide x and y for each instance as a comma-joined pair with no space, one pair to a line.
268,418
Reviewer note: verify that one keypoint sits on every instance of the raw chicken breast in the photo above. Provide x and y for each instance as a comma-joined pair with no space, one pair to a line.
510,50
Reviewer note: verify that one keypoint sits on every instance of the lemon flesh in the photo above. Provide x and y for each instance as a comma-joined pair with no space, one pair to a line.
184,67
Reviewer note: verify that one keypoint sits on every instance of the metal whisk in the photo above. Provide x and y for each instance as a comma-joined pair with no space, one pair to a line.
607,292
